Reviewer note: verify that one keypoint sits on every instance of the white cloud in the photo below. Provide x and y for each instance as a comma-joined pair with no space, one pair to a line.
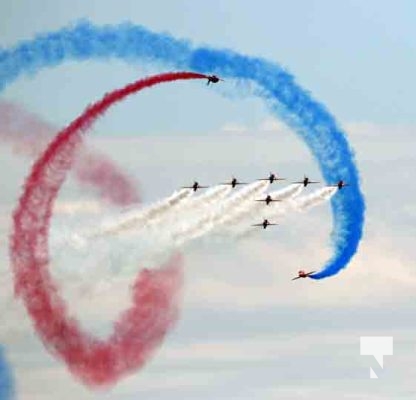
371,130
233,127
78,206
273,125
378,273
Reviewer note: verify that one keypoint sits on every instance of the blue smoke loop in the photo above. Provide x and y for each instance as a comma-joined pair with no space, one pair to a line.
6,379
278,88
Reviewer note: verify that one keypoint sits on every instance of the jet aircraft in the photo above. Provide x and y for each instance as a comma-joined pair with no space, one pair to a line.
264,224
195,187
272,177
340,184
305,182
234,182
268,200
213,79
303,274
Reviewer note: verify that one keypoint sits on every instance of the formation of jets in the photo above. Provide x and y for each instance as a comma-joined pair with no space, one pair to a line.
268,199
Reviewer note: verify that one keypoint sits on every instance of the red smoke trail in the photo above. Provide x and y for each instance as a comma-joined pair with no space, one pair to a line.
141,328
30,135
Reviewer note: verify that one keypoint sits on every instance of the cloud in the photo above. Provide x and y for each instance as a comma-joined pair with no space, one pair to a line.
371,130
273,125
233,127
268,125
78,206
379,274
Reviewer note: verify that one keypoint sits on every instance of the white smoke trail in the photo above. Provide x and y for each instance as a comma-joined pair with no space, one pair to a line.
316,198
132,220
197,204
290,191
174,221
182,220
293,204
261,210
188,220
256,206
218,214
178,202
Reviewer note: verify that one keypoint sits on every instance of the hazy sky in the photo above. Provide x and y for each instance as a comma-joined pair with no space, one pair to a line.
245,331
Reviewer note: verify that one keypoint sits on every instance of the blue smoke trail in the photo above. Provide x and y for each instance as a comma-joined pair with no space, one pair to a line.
6,379
312,122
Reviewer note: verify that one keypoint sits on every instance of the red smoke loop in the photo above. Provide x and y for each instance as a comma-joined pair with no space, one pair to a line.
142,327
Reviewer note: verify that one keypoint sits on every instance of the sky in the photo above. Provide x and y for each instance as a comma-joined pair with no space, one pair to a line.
245,331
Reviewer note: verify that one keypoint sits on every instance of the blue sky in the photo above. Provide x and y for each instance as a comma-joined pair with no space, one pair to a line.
245,330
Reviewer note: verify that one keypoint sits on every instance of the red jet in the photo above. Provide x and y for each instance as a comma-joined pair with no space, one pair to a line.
306,181
234,182
264,224
303,274
268,199
213,79
195,187
340,184
272,177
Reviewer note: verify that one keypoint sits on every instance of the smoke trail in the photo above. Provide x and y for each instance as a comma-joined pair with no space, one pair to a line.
210,196
220,213
180,206
288,192
139,329
139,219
29,135
316,198
236,205
312,122
6,379
293,203
256,207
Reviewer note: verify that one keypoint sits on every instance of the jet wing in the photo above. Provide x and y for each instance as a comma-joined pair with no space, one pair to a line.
298,277
257,225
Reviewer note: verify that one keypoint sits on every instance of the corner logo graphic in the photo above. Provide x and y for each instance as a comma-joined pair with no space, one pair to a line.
377,346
